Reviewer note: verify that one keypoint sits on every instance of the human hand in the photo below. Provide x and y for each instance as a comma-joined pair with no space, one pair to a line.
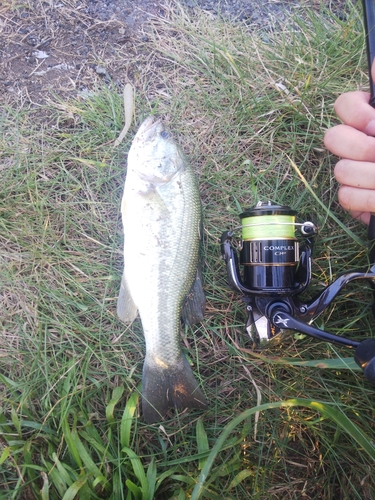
354,142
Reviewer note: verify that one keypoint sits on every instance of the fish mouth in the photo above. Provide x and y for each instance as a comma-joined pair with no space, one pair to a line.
148,146
150,128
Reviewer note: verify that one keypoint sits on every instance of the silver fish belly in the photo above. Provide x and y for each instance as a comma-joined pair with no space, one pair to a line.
161,215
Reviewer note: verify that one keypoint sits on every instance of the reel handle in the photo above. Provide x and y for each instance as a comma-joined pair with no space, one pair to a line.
281,318
364,354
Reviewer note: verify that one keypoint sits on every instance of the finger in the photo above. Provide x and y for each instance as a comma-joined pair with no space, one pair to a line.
362,216
348,142
353,109
357,200
355,173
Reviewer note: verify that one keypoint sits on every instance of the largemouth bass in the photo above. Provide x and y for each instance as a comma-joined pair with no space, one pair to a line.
161,215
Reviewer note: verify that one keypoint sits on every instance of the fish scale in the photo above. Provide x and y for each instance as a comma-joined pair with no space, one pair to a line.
161,218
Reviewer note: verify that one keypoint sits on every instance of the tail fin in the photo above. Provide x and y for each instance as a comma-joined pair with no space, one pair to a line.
168,387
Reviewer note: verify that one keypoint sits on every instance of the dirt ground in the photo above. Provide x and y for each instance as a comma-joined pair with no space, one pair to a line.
64,46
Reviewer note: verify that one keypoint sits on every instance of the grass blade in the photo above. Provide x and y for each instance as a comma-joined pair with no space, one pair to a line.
5,454
44,492
70,441
241,476
137,492
127,420
332,364
64,472
202,442
151,479
87,462
138,471
74,489
116,396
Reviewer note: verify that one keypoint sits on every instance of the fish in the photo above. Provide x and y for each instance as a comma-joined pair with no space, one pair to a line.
162,282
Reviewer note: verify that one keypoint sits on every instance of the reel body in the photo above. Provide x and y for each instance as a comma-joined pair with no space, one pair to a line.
276,270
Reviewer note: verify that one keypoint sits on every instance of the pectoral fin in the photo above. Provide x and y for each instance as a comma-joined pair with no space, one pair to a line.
195,302
126,308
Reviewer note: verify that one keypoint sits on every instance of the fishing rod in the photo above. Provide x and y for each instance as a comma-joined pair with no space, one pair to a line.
276,268
368,7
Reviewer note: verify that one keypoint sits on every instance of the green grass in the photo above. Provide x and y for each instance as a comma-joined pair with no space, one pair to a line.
245,107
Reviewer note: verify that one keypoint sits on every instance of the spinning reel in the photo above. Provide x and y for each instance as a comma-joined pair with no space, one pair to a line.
276,271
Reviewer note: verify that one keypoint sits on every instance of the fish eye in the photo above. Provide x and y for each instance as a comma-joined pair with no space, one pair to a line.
164,134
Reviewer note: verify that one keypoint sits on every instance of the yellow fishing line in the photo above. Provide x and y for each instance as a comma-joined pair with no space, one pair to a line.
268,227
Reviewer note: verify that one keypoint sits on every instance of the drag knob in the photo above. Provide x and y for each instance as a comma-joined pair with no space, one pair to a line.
364,356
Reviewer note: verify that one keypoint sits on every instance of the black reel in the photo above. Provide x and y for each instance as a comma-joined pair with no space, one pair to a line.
276,269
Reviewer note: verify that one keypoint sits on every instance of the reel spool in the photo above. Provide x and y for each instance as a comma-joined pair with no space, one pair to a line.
270,250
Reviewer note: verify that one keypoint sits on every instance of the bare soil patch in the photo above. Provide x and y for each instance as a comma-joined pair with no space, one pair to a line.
66,47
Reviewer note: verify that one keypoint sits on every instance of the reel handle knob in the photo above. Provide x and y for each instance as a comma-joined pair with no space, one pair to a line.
364,356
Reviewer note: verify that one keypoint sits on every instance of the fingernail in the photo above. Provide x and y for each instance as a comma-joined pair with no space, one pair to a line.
370,128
